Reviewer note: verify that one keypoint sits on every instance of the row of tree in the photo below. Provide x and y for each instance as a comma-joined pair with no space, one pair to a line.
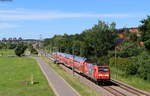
93,43
7,45
19,48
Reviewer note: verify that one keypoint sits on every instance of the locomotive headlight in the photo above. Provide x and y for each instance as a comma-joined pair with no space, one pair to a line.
106,75
100,75
103,75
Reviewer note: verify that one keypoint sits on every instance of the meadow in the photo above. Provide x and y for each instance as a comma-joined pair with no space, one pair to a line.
16,75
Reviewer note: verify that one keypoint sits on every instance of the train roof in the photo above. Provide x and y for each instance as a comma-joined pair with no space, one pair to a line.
76,58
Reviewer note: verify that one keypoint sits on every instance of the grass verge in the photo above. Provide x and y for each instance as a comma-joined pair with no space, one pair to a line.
74,82
16,74
131,80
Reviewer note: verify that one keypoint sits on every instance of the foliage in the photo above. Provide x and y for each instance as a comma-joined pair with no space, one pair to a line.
132,80
121,63
32,50
8,45
20,49
145,28
147,44
144,66
99,43
130,49
2,46
132,69
138,65
94,42
11,46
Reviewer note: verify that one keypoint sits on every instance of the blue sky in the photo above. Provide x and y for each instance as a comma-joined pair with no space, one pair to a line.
30,18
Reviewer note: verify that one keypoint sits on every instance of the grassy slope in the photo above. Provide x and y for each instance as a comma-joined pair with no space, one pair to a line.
131,80
13,71
78,86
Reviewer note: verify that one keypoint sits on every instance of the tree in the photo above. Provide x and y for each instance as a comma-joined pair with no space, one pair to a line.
100,39
147,44
145,35
94,42
3,46
32,49
11,45
20,49
130,49
144,66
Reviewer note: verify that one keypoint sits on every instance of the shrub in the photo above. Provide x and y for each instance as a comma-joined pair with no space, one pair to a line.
20,49
144,67
138,65
121,63
33,50
147,44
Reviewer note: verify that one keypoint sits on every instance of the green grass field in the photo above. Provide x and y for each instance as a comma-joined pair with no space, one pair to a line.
131,80
16,72
6,52
83,89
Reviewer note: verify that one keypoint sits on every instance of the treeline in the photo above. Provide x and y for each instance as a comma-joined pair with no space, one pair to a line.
19,48
7,45
102,44
93,43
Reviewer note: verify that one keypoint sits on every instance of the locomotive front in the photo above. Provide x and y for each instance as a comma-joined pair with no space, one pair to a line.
103,73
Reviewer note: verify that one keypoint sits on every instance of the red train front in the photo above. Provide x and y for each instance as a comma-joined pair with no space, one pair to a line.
103,73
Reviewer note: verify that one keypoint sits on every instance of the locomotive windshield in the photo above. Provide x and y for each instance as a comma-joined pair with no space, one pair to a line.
103,69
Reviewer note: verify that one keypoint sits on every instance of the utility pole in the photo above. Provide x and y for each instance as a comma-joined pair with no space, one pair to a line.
73,62
115,63
56,54
39,41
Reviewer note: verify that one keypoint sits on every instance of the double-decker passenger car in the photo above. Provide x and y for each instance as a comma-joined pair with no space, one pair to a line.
84,66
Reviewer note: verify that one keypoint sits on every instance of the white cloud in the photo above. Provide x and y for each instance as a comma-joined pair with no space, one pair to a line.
22,14
6,25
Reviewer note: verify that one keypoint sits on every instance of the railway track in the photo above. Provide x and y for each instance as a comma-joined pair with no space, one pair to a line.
113,91
131,89
114,88
127,91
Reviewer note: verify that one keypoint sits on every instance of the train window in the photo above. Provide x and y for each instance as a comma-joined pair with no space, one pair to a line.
103,69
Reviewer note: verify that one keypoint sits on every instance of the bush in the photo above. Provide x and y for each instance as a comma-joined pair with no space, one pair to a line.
132,69
144,67
121,63
32,50
130,49
11,46
138,65
20,49
3,46
147,44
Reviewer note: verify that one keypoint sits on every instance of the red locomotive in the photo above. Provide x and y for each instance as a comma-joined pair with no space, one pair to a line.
84,66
